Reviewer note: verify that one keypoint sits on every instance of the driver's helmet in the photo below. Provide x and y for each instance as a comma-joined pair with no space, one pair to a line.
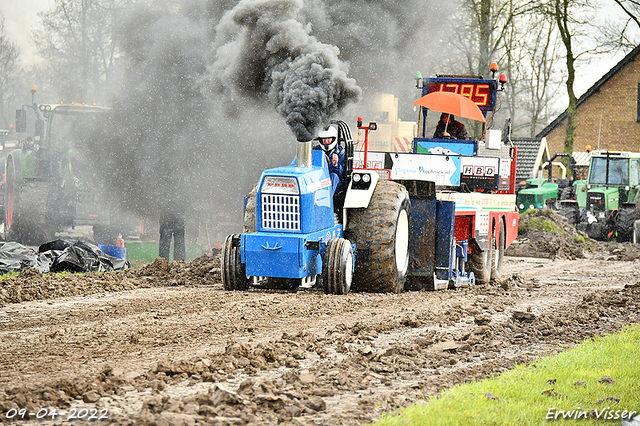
328,138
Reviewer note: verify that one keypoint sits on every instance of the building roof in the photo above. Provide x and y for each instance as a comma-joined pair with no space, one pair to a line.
528,152
631,56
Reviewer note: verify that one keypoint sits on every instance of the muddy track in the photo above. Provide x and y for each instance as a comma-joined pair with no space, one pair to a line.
167,345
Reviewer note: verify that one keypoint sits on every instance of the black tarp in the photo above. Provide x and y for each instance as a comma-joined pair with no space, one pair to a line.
57,256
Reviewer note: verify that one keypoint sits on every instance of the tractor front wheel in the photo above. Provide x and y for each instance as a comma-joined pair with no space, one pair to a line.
624,224
571,213
337,266
233,270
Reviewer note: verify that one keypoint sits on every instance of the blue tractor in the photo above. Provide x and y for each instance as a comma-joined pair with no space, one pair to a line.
374,236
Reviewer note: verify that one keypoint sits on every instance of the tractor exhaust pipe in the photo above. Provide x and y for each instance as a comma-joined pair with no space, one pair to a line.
540,174
303,155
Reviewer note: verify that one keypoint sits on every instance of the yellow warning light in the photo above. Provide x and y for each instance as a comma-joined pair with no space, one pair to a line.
33,88
588,148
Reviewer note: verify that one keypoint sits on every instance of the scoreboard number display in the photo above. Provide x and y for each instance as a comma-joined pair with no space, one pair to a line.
481,92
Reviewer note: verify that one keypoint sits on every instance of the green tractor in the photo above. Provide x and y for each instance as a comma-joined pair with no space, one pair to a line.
49,181
604,205
537,193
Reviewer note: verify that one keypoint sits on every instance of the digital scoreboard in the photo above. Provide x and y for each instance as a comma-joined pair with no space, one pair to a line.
481,92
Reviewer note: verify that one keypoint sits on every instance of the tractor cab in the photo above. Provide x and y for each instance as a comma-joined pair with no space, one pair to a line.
613,180
608,171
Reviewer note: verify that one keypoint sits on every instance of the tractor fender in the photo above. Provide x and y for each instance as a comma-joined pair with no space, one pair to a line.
360,189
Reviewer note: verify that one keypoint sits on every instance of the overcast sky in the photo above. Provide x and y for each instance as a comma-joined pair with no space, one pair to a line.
19,19
21,16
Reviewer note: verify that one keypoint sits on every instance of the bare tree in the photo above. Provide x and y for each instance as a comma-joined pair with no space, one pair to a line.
631,8
9,72
623,35
572,18
562,15
485,25
79,41
524,36
541,78
532,53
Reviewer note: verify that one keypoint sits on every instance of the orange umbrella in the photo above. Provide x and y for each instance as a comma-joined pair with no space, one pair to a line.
451,103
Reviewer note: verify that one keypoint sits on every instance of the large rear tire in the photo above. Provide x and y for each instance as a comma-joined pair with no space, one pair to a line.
26,210
337,267
381,235
233,270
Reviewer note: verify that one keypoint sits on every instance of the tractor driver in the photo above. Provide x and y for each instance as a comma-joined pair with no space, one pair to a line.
449,127
328,139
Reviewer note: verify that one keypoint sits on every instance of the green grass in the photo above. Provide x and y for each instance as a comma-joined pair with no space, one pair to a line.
539,219
9,275
543,224
581,238
520,391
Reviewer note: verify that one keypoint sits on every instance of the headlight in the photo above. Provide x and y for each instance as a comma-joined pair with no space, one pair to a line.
357,177
532,206
521,206
366,178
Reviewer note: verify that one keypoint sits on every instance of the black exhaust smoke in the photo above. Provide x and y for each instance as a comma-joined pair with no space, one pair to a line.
173,138
264,52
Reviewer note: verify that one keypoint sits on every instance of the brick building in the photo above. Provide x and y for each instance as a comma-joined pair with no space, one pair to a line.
607,115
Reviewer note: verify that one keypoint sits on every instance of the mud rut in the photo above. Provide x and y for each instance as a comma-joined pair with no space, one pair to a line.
167,345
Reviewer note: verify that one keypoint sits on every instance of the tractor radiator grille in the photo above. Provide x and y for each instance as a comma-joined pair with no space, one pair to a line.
281,212
595,200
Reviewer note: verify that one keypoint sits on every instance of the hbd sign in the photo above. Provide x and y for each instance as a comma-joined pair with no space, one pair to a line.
480,172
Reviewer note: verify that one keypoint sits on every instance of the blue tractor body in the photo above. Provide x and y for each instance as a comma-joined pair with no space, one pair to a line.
289,243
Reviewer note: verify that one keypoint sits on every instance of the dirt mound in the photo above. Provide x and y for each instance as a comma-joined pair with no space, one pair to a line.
203,270
545,233
32,285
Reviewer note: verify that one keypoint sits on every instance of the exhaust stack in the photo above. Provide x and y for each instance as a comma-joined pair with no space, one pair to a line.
303,155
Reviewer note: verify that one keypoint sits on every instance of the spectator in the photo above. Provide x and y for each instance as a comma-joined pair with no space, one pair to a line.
448,127
172,225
